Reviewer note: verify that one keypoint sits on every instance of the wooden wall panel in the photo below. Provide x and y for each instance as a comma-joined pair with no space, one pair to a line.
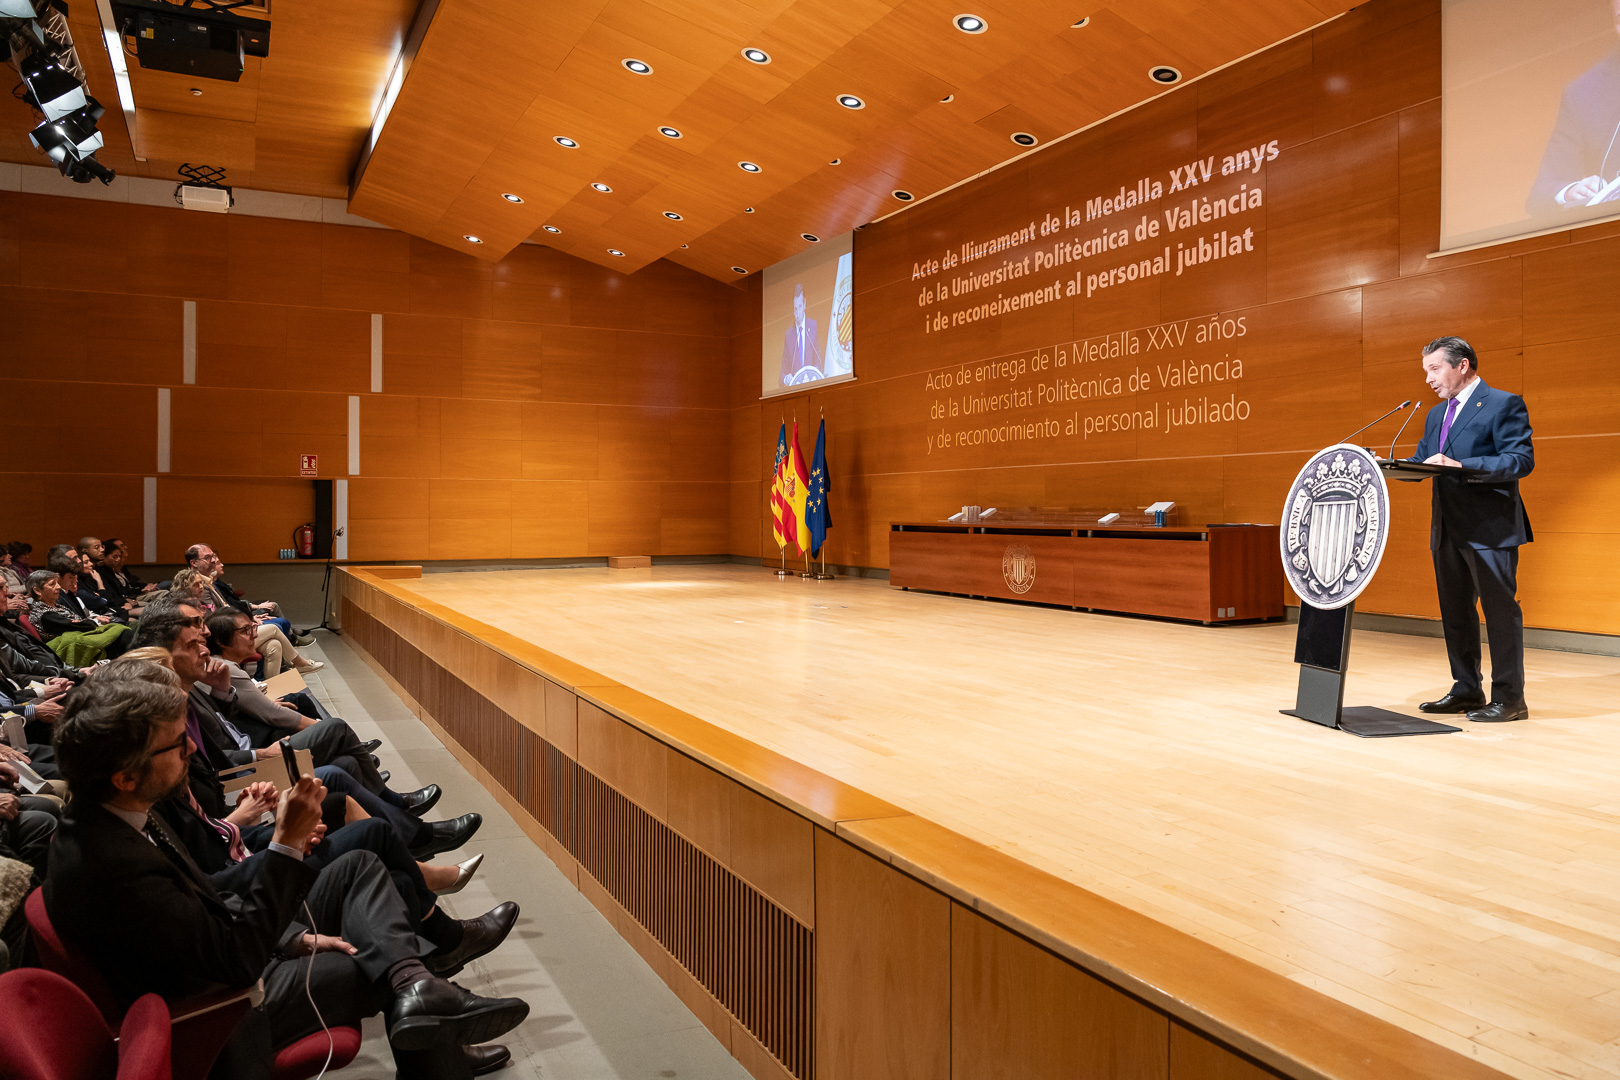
1336,299
537,369
1020,1013
883,964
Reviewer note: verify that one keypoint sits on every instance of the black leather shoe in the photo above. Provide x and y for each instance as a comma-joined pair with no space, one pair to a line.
487,1059
384,775
1498,713
478,936
421,800
447,835
1452,703
367,747
433,1012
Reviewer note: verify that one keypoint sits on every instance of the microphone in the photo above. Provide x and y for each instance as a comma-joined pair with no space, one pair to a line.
1397,438
1364,427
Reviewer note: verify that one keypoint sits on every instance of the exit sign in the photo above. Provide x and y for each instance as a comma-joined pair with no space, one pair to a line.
309,465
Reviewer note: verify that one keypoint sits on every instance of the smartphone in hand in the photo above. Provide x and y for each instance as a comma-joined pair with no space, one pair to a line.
291,760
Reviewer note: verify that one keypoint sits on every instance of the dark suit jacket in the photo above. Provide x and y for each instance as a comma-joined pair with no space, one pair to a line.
1583,136
40,659
792,358
1492,434
150,925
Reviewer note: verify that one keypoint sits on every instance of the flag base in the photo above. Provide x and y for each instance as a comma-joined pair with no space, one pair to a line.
780,572
815,576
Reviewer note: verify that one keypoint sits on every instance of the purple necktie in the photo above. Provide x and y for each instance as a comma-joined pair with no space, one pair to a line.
1445,425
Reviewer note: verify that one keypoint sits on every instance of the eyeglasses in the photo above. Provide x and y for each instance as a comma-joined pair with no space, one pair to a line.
155,754
249,629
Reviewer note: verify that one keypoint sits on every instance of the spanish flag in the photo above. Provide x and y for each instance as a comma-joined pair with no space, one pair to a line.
778,502
796,490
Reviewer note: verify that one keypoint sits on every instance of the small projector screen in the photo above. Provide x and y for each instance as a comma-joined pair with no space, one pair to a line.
808,329
1530,109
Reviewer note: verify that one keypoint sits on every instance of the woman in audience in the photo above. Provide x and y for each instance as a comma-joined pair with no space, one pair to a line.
121,587
19,557
78,641
10,577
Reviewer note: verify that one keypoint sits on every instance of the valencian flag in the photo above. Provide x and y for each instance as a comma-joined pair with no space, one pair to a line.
795,489
779,505
817,515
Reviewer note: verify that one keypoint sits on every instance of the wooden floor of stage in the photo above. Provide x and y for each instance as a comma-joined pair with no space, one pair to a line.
1465,887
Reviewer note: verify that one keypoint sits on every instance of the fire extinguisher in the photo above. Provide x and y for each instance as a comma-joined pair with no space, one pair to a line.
304,540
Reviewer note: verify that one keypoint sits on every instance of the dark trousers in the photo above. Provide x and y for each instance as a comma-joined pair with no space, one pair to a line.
383,806
1465,576
378,837
329,742
27,838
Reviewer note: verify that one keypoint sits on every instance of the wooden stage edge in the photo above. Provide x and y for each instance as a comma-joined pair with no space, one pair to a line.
819,931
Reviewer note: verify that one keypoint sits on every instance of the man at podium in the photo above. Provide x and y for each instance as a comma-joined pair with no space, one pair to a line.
1477,526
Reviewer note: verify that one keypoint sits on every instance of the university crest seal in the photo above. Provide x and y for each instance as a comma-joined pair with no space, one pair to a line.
1335,526
1018,568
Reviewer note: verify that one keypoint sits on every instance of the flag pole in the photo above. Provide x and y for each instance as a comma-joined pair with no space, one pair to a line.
812,574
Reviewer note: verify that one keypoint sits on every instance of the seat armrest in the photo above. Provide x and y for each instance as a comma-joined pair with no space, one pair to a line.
200,1004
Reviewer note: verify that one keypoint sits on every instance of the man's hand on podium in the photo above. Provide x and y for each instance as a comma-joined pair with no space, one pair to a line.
1441,459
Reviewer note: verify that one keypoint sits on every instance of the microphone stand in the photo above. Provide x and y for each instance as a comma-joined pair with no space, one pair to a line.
1397,438
326,586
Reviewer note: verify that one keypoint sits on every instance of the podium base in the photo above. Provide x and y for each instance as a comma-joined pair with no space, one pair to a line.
1373,723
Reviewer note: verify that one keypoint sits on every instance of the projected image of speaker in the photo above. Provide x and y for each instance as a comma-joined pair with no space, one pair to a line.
808,321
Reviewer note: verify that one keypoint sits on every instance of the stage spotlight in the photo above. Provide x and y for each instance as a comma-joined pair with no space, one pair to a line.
50,89
71,142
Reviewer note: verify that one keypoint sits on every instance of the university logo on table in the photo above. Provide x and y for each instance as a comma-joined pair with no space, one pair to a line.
1335,526
1018,568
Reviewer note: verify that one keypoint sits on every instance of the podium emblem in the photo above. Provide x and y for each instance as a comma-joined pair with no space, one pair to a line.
1336,524
1018,568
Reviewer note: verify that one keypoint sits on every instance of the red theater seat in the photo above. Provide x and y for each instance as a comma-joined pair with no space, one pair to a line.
202,1023
52,1031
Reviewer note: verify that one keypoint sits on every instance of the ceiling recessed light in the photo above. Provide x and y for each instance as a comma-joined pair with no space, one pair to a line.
812,237
970,24
748,209
836,161
850,101
903,196
669,133
747,166
196,92
1164,74
672,215
471,239
563,140
1082,23
756,56
1024,138
685,246
640,67
616,251
738,270
511,198
603,188
551,228
947,99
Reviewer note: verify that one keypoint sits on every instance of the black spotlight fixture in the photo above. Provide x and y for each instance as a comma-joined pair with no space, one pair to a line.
1164,74
850,101
672,215
640,67
970,24
903,196
551,229
1024,138
756,56
748,166
71,142
748,209
812,237
669,133
49,88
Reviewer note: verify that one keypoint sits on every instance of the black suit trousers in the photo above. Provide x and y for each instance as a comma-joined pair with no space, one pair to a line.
1489,577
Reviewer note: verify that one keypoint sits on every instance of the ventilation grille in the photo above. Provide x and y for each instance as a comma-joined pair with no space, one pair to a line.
755,958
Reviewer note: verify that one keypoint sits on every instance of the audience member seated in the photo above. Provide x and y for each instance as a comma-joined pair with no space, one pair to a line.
213,709
79,639
37,708
121,888
121,588
19,557
204,558
11,578
18,633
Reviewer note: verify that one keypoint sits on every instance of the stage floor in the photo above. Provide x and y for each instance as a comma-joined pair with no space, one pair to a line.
1465,887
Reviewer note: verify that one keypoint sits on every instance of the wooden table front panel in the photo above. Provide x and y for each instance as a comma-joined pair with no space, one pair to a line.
959,562
1167,578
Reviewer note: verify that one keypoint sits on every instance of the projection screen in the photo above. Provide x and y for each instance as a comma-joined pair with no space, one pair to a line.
807,326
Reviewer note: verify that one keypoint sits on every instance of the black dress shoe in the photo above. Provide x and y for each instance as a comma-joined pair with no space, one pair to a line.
433,1012
478,936
384,775
447,835
421,800
487,1059
1498,713
367,747
1452,703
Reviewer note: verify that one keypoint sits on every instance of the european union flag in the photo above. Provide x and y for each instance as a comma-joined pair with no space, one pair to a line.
817,516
